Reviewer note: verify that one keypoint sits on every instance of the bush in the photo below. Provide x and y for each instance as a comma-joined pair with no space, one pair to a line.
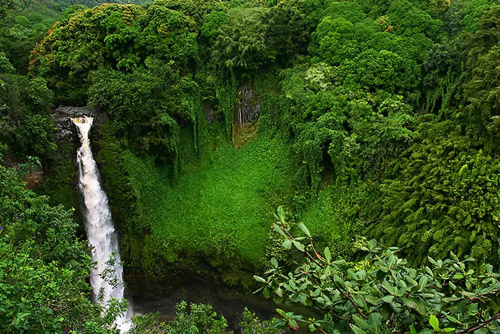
381,294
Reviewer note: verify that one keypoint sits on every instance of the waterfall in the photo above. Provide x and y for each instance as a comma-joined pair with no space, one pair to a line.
101,233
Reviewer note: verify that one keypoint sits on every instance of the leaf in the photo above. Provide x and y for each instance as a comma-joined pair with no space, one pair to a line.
357,330
372,244
388,299
409,303
281,214
304,229
281,312
259,279
328,255
293,324
411,281
462,169
422,283
361,274
413,330
302,299
278,230
389,288
375,322
453,319
298,245
274,262
287,244
266,292
434,322
338,281
415,305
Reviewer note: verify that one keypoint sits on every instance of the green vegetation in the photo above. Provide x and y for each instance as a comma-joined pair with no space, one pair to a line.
43,265
381,294
226,200
25,124
201,319
362,118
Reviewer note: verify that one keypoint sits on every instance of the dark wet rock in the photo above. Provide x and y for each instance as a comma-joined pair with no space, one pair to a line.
69,111
66,130
249,103
211,113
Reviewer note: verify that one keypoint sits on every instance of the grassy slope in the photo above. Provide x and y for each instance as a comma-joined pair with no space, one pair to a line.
222,206
338,214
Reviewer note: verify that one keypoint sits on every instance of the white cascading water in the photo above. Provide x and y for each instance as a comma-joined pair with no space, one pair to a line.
101,233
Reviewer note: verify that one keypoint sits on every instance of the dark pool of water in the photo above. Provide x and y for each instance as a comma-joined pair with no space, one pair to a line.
151,298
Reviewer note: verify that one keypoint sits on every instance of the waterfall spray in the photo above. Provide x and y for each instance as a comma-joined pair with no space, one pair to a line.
101,233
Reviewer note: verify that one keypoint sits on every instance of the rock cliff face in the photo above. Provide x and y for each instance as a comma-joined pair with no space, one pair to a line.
248,108
59,174
66,131
246,115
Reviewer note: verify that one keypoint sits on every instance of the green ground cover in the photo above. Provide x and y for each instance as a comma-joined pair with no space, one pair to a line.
222,205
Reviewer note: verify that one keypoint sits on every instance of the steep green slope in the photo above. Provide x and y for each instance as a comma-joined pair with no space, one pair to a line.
221,206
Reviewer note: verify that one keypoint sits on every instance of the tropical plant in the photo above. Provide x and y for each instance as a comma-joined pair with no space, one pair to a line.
380,293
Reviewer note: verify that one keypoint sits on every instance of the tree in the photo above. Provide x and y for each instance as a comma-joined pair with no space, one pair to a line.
243,45
200,319
24,116
43,265
5,65
481,91
442,197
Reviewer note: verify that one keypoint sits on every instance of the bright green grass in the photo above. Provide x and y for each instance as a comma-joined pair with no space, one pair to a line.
336,216
322,215
222,206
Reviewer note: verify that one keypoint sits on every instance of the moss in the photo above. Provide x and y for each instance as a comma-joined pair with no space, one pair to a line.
59,179
121,196
243,133
139,189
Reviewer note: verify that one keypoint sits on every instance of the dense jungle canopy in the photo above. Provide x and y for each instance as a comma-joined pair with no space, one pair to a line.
257,137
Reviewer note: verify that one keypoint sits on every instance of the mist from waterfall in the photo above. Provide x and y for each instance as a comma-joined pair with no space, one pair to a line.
101,233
